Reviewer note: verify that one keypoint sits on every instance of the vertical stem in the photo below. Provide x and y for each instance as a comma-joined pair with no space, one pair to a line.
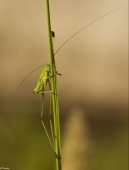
55,102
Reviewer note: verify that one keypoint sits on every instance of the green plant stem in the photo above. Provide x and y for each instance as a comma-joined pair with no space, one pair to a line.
55,102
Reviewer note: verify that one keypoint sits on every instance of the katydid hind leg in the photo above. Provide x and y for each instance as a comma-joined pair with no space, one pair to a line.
42,111
47,135
51,143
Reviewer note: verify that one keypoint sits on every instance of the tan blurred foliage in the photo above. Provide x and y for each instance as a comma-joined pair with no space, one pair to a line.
94,68
93,63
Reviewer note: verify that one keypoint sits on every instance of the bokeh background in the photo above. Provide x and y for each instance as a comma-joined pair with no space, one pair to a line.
93,88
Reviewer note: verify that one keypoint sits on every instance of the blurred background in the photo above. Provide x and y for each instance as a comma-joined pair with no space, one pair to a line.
93,88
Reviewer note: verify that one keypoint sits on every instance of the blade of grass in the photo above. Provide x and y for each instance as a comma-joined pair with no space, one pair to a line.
55,102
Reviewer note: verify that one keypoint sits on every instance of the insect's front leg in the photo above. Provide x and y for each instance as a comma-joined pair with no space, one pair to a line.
54,75
45,91
49,80
58,74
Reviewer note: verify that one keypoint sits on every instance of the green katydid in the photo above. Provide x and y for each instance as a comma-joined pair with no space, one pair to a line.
43,80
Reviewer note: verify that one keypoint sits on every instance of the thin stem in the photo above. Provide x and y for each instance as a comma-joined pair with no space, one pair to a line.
50,115
55,102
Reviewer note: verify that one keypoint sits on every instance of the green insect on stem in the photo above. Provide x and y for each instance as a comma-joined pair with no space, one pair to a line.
43,80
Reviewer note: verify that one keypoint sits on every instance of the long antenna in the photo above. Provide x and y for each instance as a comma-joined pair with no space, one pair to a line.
65,43
87,26
24,81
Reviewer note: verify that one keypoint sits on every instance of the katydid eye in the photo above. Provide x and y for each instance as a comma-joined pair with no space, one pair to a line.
48,66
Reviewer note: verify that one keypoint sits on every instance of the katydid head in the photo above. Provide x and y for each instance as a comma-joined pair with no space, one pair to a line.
47,67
